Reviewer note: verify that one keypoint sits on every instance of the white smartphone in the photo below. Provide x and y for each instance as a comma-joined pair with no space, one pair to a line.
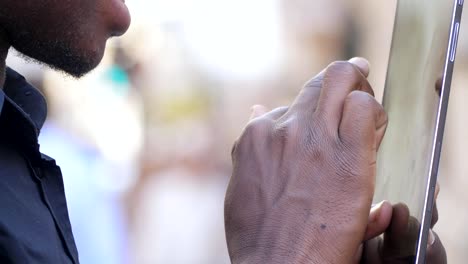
422,58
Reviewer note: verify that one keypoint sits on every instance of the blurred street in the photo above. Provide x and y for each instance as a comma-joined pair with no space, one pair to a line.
144,141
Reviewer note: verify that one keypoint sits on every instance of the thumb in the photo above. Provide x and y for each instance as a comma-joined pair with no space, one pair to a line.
379,220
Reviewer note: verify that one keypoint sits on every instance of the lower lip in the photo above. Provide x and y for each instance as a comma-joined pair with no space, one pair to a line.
120,16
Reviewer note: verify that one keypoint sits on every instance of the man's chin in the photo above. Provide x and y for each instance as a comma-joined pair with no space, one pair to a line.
62,58
77,70
75,66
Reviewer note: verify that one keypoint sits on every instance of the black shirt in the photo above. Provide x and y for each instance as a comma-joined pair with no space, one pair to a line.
34,222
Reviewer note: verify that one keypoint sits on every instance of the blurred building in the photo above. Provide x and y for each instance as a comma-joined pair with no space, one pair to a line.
144,141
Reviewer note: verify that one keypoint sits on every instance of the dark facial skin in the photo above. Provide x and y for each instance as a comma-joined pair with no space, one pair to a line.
303,176
68,35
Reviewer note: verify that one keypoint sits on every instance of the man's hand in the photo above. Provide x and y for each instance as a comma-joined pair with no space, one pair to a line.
303,176
401,232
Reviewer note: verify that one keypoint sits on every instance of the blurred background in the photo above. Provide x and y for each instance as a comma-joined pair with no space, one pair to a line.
144,141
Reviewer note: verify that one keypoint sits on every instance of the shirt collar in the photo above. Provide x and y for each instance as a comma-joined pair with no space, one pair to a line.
25,98
23,111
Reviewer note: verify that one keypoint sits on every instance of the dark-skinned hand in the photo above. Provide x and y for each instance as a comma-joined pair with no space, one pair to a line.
303,176
401,231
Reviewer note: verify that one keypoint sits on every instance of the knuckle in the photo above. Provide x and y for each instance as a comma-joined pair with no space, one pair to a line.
287,129
344,73
343,68
366,103
362,99
300,136
301,127
315,82
257,128
278,112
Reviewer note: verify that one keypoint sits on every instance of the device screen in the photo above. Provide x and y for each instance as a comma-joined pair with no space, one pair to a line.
416,67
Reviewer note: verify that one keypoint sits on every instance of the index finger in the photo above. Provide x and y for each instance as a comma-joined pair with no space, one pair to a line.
308,97
362,65
341,80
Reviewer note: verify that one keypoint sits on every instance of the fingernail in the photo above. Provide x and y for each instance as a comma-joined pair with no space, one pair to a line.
375,212
374,206
430,238
362,64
